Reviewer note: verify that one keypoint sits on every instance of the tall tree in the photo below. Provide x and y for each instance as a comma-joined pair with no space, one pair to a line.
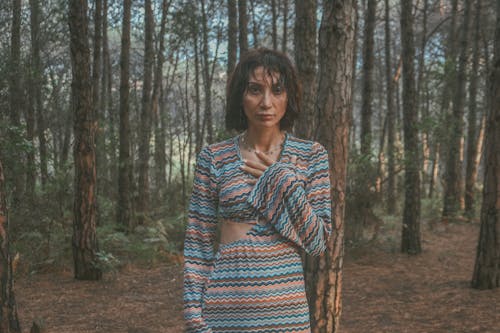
305,59
487,266
146,115
411,215
472,137
284,40
124,205
85,245
243,25
16,98
9,321
232,35
391,117
368,60
274,14
336,46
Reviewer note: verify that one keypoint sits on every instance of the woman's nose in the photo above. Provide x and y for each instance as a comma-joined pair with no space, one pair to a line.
266,101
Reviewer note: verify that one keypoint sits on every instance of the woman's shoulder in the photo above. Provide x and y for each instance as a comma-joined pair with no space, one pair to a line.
220,151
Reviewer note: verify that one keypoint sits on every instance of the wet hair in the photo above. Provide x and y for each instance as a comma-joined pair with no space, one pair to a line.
272,62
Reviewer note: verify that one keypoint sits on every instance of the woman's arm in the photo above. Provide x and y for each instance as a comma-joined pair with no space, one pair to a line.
198,244
299,210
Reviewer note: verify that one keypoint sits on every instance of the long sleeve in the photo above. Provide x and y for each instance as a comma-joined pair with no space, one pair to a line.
199,241
300,210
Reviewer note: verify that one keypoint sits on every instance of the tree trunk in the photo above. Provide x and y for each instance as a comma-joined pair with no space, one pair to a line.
368,60
85,245
232,36
336,46
255,27
391,131
243,25
124,206
305,59
487,266
16,103
452,190
159,154
285,27
410,242
472,137
146,116
197,100
9,321
274,33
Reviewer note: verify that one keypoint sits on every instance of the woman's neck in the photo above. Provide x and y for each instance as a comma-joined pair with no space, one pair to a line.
264,139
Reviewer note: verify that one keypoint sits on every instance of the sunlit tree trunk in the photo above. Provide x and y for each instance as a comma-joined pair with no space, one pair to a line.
305,58
472,132
124,206
487,266
410,242
84,220
336,46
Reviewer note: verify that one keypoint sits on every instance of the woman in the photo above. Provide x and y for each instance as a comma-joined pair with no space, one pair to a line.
269,194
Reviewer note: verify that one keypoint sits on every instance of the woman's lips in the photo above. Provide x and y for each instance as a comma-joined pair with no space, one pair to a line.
265,116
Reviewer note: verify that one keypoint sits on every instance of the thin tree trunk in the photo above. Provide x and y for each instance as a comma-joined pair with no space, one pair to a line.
85,246
391,131
146,116
232,36
410,242
274,34
336,46
305,58
197,125
285,27
124,206
487,266
255,25
243,25
472,137
9,321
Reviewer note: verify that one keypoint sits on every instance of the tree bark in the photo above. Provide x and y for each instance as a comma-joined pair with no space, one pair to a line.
285,27
391,131
146,116
9,321
85,245
243,25
124,206
472,137
305,59
274,34
336,46
232,36
487,266
410,242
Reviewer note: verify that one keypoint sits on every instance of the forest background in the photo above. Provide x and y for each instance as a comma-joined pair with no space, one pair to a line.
105,106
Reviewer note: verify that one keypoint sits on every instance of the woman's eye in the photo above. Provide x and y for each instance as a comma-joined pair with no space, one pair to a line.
277,90
254,90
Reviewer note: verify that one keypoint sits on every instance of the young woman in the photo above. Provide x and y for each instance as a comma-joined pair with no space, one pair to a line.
269,194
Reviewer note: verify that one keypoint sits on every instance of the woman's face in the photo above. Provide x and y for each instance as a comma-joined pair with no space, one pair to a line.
265,99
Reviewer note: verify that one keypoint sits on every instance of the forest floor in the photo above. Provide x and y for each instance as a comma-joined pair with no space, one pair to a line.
383,291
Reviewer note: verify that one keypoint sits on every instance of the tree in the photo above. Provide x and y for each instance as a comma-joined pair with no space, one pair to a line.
336,46
84,220
124,205
243,25
146,115
411,215
9,322
305,59
487,266
232,36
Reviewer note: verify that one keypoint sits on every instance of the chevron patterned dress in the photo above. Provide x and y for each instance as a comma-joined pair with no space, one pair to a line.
256,283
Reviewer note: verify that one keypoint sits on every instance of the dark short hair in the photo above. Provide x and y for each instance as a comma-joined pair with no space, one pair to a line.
273,62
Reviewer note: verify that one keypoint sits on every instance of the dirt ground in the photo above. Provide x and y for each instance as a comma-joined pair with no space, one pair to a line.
383,291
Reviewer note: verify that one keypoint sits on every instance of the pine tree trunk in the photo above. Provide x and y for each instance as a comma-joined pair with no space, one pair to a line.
85,245
336,54
243,25
472,137
487,266
285,27
305,58
124,206
9,321
391,131
410,242
146,116
232,36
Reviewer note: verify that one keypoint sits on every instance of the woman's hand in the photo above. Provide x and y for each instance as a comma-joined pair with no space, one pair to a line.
257,168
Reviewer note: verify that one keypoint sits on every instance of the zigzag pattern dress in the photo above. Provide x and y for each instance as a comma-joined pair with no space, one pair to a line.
256,283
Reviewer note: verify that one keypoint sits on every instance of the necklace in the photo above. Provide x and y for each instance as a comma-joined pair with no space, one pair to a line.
273,149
